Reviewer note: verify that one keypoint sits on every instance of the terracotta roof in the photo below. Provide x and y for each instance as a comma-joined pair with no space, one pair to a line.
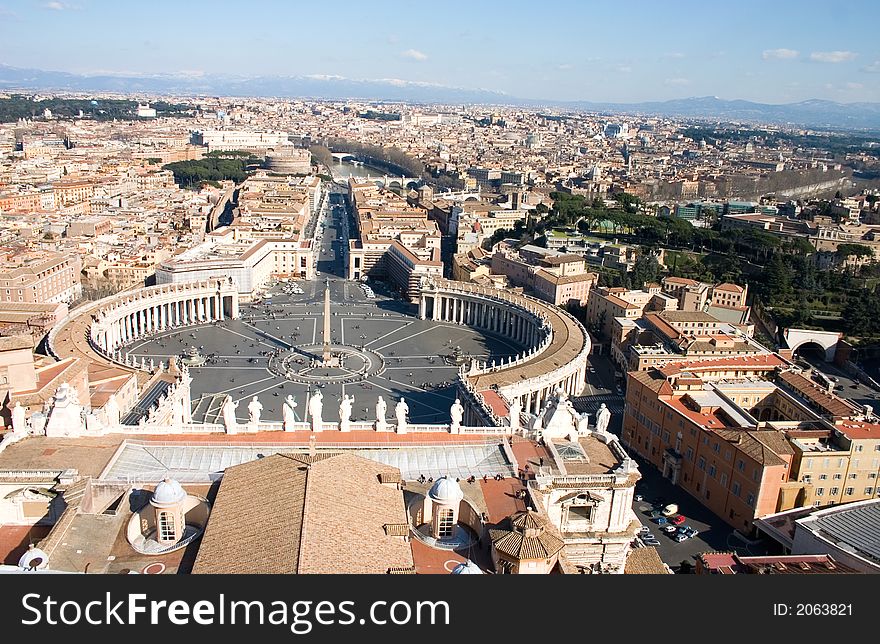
748,443
830,403
256,521
294,513
13,342
644,561
525,535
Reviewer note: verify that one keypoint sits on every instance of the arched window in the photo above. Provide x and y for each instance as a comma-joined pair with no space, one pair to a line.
166,527
444,524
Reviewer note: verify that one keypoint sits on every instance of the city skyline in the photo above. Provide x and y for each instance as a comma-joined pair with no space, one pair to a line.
577,52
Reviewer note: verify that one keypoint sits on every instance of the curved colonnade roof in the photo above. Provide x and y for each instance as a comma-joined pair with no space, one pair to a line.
71,341
569,337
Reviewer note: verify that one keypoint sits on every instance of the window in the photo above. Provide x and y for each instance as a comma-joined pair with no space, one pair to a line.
869,490
849,491
823,477
689,455
723,479
741,465
820,491
701,463
712,471
807,478
445,522
166,527
853,476
837,477
750,500
834,491
735,488
716,448
859,448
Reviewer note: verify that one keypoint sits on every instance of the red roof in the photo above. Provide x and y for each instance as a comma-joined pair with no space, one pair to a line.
496,403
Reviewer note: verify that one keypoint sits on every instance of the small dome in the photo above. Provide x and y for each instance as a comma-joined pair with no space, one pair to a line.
467,568
446,490
168,492
33,558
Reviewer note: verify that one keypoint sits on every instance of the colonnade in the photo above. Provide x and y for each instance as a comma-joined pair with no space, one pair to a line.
562,350
159,308
518,325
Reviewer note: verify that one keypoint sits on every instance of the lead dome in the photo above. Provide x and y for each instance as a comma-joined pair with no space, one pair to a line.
446,490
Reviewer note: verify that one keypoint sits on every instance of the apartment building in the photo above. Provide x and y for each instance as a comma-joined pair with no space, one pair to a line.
656,339
554,277
394,239
705,443
836,465
604,304
41,276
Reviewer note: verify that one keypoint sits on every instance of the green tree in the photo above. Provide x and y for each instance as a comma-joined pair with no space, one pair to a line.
777,282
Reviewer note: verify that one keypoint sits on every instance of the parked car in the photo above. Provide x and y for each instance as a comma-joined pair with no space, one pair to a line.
655,513
678,519
645,530
638,497
661,521
681,537
669,529
670,510
689,531
650,540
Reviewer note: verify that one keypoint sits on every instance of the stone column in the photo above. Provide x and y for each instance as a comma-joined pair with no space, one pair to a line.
422,307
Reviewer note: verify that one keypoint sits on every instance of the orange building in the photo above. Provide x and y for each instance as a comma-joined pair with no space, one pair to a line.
703,441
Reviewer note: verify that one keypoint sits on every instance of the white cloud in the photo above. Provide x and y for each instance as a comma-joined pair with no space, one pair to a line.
832,56
674,54
624,69
414,54
779,54
564,66
324,77
854,86
873,68
677,82
56,6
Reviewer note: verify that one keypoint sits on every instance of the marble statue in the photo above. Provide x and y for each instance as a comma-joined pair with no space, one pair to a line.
345,412
401,410
229,407
316,409
111,411
583,423
66,415
287,409
19,424
456,413
381,408
514,414
603,416
255,408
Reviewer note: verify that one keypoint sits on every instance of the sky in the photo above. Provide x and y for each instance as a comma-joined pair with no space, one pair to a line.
772,51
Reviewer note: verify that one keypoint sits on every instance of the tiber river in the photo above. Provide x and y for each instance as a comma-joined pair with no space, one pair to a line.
345,170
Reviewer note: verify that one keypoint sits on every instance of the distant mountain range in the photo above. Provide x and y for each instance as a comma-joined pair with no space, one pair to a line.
811,113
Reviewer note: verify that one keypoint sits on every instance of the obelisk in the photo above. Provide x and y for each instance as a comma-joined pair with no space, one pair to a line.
327,360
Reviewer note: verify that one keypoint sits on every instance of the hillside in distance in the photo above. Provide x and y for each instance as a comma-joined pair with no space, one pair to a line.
814,113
